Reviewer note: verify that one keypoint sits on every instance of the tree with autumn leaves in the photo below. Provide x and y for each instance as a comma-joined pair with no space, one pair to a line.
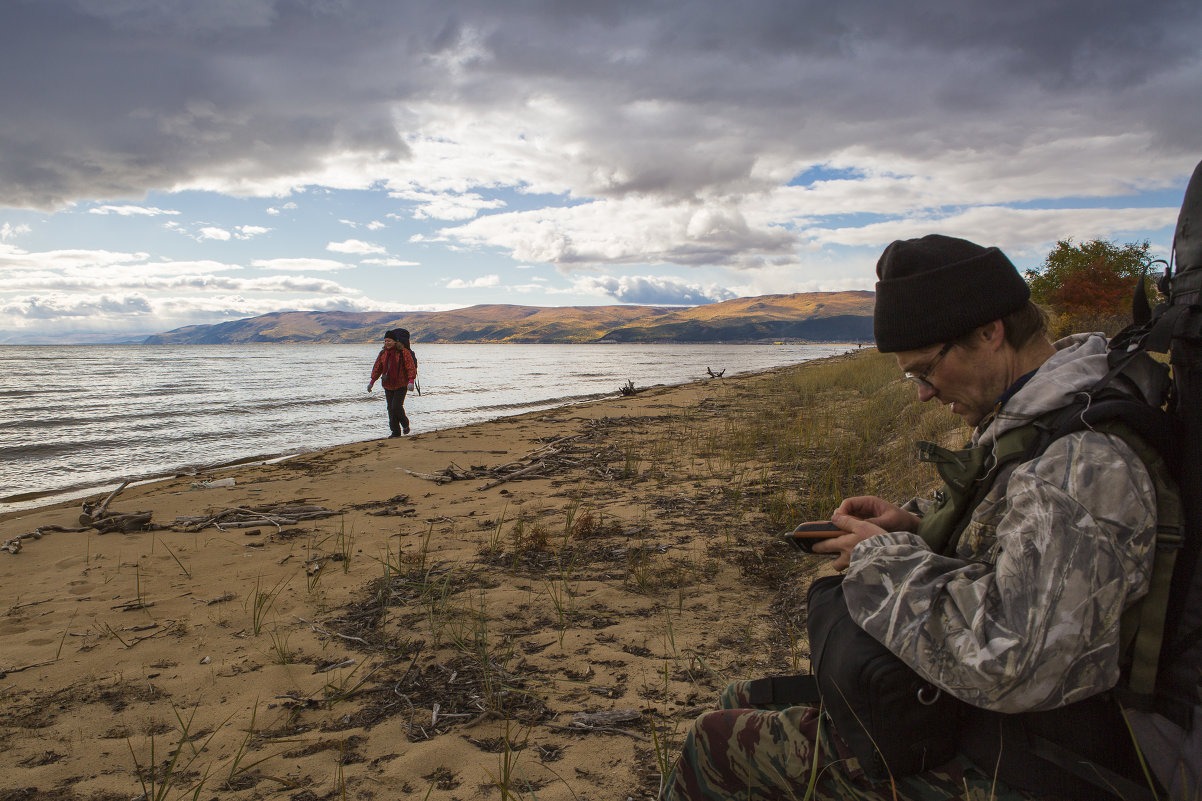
1088,287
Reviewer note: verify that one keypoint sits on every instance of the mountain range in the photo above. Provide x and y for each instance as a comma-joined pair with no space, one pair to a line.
812,316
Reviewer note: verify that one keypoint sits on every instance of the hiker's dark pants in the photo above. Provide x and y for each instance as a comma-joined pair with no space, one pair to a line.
396,410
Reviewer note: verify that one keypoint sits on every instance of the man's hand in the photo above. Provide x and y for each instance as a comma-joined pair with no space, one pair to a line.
872,509
857,531
370,384
862,517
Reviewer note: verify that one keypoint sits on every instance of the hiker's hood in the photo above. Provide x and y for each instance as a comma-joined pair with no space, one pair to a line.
1079,363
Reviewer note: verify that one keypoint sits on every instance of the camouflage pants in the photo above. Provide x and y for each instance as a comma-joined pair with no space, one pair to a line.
766,754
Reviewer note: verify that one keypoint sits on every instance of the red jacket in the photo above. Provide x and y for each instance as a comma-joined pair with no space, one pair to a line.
397,367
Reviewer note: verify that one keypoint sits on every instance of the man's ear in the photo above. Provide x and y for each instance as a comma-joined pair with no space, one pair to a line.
992,334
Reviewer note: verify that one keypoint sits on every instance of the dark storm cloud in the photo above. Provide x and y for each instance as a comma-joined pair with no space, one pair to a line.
110,98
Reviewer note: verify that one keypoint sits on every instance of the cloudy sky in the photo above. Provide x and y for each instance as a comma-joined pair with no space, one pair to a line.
170,162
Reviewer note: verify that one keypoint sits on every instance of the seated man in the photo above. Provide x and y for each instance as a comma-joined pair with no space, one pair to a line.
1021,613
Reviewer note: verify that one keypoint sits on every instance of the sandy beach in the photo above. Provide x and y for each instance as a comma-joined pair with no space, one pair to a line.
535,606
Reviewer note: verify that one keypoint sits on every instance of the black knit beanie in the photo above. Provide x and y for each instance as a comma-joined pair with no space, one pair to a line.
395,333
937,288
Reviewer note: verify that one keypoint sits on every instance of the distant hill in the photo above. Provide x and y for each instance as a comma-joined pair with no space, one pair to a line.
813,316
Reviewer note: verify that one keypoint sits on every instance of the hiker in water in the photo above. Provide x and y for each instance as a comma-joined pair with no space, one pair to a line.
396,368
1017,614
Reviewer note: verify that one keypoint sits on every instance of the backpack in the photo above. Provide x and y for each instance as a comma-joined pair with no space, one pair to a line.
417,384
1167,720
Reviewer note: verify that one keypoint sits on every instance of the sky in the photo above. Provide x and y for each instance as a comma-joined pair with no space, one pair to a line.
170,162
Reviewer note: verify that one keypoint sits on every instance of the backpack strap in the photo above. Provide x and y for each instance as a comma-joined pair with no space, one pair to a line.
1142,627
968,476
1100,776
784,691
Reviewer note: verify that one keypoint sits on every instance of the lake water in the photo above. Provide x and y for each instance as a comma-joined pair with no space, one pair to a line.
80,418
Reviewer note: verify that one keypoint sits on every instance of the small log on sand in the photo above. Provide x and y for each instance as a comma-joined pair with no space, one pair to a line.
138,521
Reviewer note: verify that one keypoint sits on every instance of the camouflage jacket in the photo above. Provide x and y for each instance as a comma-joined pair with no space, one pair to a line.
1026,615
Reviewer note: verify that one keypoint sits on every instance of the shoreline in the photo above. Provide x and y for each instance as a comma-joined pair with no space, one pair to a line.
24,502
33,500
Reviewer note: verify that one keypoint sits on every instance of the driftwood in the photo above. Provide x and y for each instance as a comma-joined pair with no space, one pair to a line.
93,517
249,517
13,545
100,518
91,513
592,452
603,722
628,388
5,671
718,374
606,718
138,521
522,473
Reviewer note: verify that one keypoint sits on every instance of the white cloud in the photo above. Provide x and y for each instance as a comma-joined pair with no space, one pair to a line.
250,231
652,290
446,205
9,231
482,282
355,246
311,265
131,211
390,262
56,306
632,231
14,259
1017,231
213,232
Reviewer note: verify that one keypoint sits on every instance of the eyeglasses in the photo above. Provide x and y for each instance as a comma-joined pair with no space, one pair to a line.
920,377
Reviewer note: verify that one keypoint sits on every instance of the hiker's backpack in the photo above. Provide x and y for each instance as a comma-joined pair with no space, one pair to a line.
417,384
1167,721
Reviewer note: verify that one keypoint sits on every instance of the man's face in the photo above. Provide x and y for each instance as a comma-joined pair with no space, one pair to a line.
960,378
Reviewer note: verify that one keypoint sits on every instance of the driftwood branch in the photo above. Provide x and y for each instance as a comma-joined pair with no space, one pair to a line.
247,517
92,513
5,671
592,451
13,545
525,471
